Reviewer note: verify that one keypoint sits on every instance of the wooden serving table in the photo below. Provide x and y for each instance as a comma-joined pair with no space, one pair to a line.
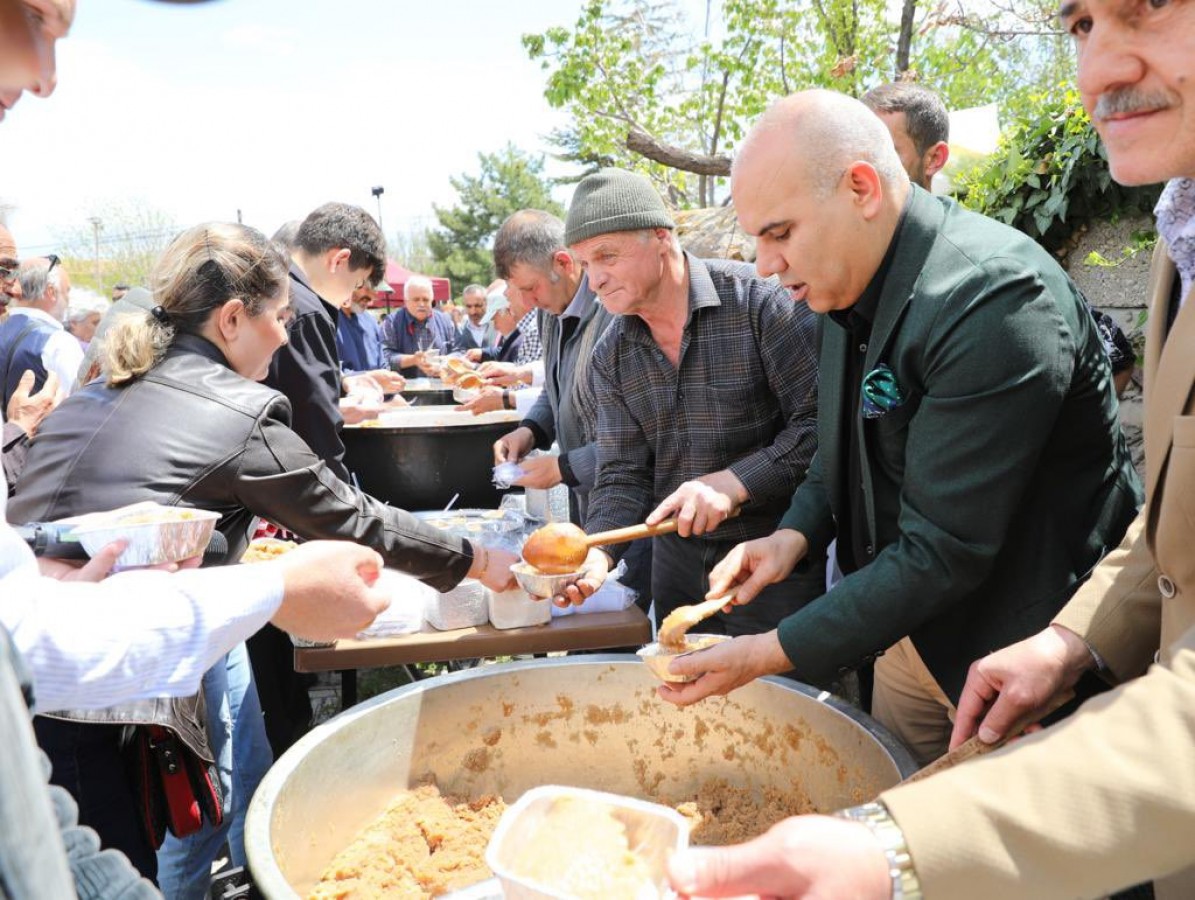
580,631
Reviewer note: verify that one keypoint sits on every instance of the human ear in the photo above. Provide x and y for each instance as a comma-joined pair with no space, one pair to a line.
936,157
564,260
867,191
339,258
229,318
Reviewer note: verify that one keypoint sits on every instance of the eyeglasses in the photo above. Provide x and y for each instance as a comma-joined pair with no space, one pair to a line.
54,260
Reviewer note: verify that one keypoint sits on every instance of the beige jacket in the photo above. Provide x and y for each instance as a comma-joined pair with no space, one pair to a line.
1107,798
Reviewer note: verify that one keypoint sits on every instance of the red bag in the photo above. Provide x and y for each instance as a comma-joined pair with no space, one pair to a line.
175,788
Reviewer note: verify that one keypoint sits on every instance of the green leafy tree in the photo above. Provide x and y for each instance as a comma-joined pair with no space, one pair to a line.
509,180
132,234
647,93
1050,175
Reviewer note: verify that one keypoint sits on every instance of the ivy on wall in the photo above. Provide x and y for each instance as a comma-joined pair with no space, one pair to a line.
1050,175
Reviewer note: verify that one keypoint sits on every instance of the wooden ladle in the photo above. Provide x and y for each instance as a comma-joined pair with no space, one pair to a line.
560,548
672,630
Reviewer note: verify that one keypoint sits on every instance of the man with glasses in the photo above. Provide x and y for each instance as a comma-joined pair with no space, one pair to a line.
8,270
33,338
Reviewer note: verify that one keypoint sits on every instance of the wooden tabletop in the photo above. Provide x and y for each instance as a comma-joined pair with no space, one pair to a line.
580,631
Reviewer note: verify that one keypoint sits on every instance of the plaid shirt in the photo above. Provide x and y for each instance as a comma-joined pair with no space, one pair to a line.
743,398
532,348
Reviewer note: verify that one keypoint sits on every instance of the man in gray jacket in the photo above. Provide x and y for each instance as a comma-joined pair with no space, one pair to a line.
529,252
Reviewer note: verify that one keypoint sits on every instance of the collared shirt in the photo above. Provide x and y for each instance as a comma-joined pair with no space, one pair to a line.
62,353
854,543
403,335
132,636
359,342
1175,211
532,347
478,332
743,397
853,540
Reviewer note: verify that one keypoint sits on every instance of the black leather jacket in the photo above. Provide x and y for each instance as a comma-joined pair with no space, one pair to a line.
191,432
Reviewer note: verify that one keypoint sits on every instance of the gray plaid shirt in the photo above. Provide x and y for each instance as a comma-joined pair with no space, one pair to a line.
744,398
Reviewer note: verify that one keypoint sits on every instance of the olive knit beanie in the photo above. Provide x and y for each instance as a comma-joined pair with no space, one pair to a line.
613,200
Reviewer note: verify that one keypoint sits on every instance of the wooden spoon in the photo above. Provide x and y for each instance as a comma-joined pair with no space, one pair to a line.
672,630
973,747
560,548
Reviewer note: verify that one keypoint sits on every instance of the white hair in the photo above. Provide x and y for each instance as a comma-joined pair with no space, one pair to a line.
417,281
84,302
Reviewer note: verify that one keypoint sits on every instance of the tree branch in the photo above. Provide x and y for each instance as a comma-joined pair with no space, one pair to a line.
639,141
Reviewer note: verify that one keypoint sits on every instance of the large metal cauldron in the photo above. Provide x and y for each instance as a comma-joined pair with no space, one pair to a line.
422,465
591,721
428,392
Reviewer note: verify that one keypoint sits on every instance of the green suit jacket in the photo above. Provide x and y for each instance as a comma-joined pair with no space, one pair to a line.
997,484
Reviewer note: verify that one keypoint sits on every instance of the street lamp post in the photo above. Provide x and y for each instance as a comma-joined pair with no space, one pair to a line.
377,191
96,224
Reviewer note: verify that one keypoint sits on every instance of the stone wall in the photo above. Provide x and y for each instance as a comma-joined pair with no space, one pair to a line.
1118,290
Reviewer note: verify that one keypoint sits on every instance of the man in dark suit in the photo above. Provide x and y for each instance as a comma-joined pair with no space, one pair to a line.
969,458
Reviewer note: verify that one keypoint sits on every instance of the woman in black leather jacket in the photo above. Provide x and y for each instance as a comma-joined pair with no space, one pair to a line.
181,420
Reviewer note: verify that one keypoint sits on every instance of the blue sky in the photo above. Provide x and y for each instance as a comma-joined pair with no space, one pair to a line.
273,107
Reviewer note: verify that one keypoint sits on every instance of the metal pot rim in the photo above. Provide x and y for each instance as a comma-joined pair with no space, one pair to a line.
268,876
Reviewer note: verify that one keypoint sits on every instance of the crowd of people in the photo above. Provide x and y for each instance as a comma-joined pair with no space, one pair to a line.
892,447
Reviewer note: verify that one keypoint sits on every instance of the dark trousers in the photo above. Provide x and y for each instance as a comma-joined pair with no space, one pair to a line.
283,692
87,762
680,576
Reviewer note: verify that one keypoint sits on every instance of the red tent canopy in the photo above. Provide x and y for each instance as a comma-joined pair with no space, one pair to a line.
397,276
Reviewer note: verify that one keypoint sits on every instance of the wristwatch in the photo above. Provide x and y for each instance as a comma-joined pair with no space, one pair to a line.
506,398
905,885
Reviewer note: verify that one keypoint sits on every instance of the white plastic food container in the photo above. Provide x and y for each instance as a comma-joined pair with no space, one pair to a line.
465,606
517,609
652,833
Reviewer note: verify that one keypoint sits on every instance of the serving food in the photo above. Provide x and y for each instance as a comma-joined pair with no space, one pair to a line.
430,842
155,533
566,841
540,584
659,656
266,549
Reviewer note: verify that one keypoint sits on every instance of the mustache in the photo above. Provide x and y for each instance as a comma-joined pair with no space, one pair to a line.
1128,100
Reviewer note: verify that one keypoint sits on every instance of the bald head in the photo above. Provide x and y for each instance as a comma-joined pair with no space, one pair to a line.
820,185
826,132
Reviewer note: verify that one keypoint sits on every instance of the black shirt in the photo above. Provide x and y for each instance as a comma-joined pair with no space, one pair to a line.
855,548
307,371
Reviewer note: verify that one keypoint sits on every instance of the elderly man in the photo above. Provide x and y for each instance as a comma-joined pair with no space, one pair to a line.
969,457
34,337
411,333
706,389
83,317
510,313
9,262
475,334
359,336
1105,799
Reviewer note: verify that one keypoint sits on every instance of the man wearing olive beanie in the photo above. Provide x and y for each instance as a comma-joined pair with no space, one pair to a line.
614,200
706,390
